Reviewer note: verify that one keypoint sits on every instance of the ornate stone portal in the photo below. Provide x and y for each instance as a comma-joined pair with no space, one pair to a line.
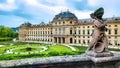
98,46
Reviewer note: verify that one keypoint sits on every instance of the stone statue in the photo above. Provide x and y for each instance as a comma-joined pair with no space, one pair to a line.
99,43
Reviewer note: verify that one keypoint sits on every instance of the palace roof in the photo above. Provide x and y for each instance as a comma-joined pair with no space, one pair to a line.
66,14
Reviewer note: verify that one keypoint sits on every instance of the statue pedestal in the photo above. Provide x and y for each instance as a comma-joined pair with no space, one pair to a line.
104,60
103,54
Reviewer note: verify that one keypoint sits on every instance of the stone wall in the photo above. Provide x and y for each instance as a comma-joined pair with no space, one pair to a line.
75,61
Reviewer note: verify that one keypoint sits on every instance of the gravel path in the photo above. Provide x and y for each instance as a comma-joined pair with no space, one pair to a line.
72,48
44,48
1,45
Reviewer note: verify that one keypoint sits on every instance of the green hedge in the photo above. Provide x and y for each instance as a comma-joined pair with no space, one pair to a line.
6,39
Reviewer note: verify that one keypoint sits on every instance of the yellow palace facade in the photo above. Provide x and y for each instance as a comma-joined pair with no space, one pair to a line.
66,28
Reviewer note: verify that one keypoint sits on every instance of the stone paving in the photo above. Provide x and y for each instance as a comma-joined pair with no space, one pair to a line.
32,61
60,59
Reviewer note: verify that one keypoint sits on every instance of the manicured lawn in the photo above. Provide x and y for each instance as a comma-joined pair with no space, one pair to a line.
19,50
24,49
80,49
12,51
2,50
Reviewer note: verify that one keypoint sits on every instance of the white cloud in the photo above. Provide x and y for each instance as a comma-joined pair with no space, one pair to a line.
8,6
10,1
57,2
45,10
61,5
105,3
31,2
111,7
38,6
82,14
93,2
39,2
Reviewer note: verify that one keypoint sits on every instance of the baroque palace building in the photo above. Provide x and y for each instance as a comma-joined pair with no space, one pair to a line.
66,28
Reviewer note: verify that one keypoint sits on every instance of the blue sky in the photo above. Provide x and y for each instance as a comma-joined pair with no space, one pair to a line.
15,12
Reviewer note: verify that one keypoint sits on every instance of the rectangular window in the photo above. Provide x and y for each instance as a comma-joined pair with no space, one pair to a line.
83,31
59,30
83,41
63,22
79,41
48,32
70,31
109,31
79,32
92,32
75,31
116,31
88,41
59,22
88,32
63,30
75,41
56,31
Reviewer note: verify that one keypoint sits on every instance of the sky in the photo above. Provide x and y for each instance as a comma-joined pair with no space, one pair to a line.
15,12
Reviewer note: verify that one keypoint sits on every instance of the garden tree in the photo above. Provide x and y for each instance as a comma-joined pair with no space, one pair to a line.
1,27
7,32
15,35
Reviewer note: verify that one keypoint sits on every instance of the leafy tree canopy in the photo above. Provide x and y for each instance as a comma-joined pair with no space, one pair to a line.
7,32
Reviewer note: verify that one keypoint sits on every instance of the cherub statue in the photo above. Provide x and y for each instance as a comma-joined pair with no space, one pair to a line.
99,43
